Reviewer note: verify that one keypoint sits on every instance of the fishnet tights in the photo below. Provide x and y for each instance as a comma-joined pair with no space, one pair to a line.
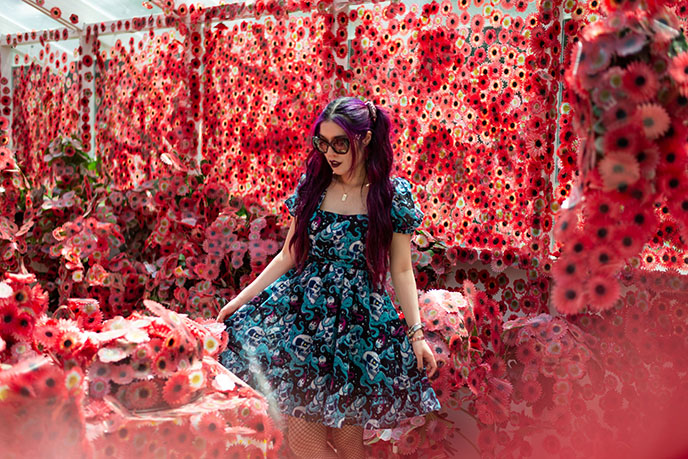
308,440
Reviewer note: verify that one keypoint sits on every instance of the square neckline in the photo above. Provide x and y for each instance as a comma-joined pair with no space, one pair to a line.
322,196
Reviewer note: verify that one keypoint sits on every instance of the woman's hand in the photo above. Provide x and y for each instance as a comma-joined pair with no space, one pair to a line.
424,356
228,310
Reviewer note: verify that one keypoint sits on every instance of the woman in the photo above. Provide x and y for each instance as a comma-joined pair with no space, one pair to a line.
322,339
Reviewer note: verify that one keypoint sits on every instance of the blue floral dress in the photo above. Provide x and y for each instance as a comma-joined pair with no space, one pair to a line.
324,345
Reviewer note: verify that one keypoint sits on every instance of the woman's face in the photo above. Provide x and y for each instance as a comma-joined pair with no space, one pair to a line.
341,164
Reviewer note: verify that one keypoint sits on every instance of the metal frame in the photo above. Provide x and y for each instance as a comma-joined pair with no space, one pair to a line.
167,18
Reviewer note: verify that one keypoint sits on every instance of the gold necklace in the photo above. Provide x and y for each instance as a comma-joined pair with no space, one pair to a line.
346,195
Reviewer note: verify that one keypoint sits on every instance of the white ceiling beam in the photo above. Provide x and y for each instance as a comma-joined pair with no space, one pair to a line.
27,29
46,11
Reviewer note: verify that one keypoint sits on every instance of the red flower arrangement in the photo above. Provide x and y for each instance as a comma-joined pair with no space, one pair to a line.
628,90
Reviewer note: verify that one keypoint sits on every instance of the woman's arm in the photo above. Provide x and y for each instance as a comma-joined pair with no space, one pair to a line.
280,264
404,283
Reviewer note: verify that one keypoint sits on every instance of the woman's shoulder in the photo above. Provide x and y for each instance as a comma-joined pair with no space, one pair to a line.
406,212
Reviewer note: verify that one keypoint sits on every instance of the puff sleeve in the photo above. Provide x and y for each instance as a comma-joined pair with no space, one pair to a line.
406,213
292,201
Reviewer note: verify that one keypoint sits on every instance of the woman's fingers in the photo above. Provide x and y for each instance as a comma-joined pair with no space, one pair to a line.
432,364
224,312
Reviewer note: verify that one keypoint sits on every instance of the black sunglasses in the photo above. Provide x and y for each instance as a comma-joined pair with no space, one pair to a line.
340,145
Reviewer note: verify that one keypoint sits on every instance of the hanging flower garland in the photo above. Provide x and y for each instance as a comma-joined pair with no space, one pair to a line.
631,100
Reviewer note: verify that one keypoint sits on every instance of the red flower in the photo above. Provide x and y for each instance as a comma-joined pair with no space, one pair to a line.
623,139
177,390
212,426
603,292
640,82
531,391
142,394
568,297
678,68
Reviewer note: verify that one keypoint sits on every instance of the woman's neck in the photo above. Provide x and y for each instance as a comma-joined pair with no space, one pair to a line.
357,179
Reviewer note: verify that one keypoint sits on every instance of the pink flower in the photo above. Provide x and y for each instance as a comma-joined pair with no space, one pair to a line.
678,68
603,292
640,82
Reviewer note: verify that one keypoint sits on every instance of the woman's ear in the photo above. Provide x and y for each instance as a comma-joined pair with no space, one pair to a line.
368,137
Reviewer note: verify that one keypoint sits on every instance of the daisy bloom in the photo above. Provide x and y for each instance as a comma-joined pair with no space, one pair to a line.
142,368
164,365
262,425
122,374
73,379
567,268
525,353
408,444
622,139
487,440
654,119
530,391
647,159
627,241
603,292
196,379
618,170
568,297
211,426
177,391
640,82
49,384
211,345
8,318
98,388
678,68
68,342
618,114
142,395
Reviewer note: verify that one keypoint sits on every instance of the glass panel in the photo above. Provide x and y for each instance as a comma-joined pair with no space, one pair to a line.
16,16
91,11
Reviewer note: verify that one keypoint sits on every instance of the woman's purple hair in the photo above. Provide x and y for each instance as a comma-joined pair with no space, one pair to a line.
355,118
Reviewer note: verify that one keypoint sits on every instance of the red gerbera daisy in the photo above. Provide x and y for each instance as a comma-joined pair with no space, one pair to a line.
618,170
530,391
98,388
47,334
50,383
618,114
568,297
622,139
142,395
177,390
8,318
640,82
654,119
628,241
164,364
122,374
90,321
211,426
678,68
603,291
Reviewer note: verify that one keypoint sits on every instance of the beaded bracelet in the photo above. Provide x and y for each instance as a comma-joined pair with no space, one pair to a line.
414,328
417,338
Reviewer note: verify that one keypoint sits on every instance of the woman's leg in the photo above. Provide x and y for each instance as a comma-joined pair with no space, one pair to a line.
308,439
349,442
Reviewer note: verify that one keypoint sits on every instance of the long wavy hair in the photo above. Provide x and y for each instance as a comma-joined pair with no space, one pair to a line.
355,118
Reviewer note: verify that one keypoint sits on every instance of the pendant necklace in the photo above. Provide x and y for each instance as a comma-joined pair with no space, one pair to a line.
346,195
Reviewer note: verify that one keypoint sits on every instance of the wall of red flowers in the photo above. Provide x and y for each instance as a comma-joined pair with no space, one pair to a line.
483,120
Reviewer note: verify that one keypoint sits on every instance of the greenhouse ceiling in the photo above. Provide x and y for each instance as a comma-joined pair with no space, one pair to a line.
19,16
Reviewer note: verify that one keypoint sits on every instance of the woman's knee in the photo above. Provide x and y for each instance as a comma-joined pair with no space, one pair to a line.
308,440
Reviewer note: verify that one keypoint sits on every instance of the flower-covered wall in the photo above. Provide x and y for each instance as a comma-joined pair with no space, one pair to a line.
463,83
521,156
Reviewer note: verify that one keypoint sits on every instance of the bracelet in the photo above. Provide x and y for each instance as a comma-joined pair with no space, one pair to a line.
417,338
414,328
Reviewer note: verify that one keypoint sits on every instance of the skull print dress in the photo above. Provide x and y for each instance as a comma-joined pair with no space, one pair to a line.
323,344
